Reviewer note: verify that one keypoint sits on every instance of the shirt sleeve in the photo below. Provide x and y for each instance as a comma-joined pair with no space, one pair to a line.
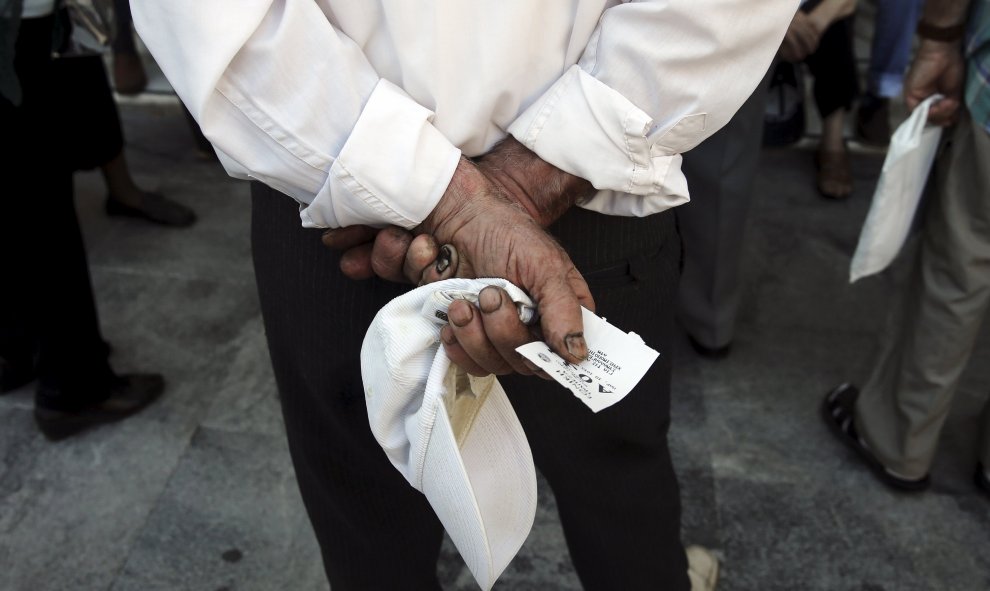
656,78
316,130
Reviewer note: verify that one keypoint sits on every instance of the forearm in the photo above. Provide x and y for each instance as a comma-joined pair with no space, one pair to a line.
828,11
653,82
938,66
310,128
545,191
945,13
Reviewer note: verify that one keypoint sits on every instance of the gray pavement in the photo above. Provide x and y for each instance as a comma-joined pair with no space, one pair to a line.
198,491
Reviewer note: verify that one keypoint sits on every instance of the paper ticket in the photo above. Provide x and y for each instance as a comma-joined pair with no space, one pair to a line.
616,362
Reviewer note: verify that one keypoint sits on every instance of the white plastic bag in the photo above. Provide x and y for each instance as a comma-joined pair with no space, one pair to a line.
905,171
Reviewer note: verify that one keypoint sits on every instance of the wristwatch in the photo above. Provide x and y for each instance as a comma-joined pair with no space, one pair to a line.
937,33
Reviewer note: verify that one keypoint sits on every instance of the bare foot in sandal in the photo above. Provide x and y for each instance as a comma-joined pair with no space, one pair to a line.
834,173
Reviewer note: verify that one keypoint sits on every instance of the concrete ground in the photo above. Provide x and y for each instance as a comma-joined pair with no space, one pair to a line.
198,491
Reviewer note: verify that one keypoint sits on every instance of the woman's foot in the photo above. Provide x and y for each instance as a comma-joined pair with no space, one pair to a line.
153,207
834,173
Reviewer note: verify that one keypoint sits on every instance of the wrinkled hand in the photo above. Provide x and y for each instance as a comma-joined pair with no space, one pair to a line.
937,68
542,189
495,237
510,191
801,39
391,253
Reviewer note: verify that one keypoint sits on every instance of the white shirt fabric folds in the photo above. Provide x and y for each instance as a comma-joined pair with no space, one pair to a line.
360,110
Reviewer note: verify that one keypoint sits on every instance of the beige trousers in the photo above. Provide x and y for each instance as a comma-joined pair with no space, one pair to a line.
936,317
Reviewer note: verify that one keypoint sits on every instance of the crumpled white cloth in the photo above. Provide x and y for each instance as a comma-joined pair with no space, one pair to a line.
454,437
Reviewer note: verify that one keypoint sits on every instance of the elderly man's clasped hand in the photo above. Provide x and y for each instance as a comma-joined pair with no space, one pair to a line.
489,223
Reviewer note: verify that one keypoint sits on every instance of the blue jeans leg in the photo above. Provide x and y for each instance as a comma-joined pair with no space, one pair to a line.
892,35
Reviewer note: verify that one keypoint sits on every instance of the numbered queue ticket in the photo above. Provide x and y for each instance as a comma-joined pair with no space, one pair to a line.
616,362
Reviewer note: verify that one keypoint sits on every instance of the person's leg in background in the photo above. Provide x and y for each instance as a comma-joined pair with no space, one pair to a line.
49,317
833,66
129,77
128,71
48,323
893,32
28,135
47,302
903,406
93,138
374,529
720,175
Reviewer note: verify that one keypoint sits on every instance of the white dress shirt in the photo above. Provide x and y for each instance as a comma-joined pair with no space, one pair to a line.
360,109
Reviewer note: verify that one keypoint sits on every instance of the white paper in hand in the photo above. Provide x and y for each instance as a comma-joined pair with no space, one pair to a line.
905,171
616,362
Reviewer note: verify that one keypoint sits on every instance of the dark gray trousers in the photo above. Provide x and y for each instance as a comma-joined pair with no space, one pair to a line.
611,472
720,175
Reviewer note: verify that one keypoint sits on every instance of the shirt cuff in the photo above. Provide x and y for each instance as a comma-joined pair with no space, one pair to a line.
392,170
588,129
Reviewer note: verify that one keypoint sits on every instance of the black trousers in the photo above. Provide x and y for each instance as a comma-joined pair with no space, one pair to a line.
47,312
123,41
611,472
833,66
90,134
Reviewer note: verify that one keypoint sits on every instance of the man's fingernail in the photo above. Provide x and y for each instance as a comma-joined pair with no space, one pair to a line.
443,259
461,315
490,299
576,345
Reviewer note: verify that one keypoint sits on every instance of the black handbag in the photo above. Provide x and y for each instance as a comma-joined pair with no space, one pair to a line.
783,121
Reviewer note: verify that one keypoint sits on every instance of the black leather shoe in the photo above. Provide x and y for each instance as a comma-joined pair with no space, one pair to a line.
980,478
838,412
15,375
154,208
128,394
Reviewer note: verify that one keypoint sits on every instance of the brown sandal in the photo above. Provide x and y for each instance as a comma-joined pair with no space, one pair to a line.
834,173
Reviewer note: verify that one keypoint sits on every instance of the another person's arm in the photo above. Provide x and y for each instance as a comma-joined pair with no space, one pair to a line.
938,64
807,27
